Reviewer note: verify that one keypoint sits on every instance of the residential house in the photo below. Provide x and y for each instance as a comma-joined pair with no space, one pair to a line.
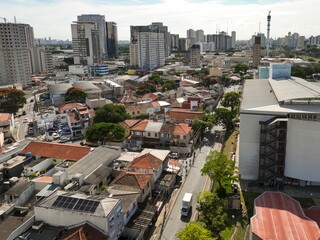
182,139
158,110
129,99
151,97
6,124
86,231
133,181
135,140
14,166
128,124
176,115
69,209
138,109
19,193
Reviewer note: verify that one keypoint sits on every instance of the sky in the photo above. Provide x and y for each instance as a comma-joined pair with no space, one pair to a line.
52,18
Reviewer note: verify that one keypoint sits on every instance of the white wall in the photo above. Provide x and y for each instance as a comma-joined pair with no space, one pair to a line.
303,150
249,146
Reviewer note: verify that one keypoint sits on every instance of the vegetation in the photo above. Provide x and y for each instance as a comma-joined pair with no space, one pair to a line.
111,113
104,132
75,95
305,72
11,99
224,116
241,68
232,100
195,231
142,116
153,81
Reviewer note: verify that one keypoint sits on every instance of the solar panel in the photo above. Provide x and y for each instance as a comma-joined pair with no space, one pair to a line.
71,203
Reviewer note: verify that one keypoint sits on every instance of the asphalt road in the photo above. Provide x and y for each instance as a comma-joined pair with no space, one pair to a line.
194,184
15,150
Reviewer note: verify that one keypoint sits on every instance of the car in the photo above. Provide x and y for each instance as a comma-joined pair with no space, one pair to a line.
174,155
30,131
64,139
25,120
55,135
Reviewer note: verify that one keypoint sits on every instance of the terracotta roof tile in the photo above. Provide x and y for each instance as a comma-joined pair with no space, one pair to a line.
182,128
44,179
70,106
130,122
84,232
184,114
141,126
5,116
146,161
152,96
56,150
167,128
133,179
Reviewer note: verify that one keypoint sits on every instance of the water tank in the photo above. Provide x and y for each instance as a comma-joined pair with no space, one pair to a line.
28,154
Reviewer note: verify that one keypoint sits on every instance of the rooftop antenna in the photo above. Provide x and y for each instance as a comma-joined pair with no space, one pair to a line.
268,32
227,27
259,27
15,20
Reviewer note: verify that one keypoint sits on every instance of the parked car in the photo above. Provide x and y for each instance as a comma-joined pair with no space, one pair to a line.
25,120
55,135
30,131
174,155
64,139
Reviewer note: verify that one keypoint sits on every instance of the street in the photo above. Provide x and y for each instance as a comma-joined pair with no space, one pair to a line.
194,184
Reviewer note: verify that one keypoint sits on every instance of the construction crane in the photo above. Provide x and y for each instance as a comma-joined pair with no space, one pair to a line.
5,20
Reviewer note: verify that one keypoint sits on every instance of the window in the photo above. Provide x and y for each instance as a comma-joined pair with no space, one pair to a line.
111,221
149,134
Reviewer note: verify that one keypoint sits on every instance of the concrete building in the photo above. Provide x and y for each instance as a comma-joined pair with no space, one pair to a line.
112,39
41,60
314,40
158,27
233,39
85,43
184,44
206,47
279,130
222,41
147,48
199,36
100,23
191,36
195,56
174,42
68,209
16,41
256,52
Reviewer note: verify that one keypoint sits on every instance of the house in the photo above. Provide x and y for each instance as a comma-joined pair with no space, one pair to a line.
147,163
176,115
19,193
69,209
133,181
278,216
128,124
14,166
182,138
151,97
56,150
6,124
158,110
138,109
86,231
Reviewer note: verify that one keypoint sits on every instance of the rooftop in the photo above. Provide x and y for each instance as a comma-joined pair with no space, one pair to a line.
12,162
153,127
279,216
160,154
137,180
182,128
98,175
5,117
179,113
71,106
59,88
56,150
83,232
146,161
19,188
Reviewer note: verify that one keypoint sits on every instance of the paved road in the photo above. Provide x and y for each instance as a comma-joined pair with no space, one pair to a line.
194,184
14,150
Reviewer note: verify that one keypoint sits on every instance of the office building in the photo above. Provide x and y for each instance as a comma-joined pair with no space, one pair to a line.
16,41
256,52
112,39
85,43
147,48
280,121
195,56
101,31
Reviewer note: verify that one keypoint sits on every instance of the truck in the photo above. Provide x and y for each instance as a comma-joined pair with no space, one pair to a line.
186,204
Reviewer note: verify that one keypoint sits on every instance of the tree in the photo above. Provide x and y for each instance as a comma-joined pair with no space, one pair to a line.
241,68
194,231
224,116
213,214
232,100
75,95
111,113
104,132
146,87
219,168
142,116
11,99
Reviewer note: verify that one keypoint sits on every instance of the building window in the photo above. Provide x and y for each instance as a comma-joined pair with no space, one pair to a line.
149,134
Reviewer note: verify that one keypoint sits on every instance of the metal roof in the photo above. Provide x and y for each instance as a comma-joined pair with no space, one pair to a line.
59,88
153,127
294,88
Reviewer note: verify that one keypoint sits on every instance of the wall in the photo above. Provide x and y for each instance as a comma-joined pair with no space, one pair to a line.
249,146
302,151
43,165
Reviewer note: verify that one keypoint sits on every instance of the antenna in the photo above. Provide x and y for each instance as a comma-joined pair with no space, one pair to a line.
4,19
259,27
268,32
15,20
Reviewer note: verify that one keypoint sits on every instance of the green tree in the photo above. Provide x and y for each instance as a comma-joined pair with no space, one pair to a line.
75,95
194,231
11,99
232,100
104,132
223,116
219,168
142,116
146,87
168,85
213,213
111,113
241,68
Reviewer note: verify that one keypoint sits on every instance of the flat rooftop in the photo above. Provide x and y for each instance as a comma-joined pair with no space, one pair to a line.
12,162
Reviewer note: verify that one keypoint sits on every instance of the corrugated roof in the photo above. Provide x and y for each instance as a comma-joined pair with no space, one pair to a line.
153,127
146,161
280,217
59,88
56,150
137,180
85,85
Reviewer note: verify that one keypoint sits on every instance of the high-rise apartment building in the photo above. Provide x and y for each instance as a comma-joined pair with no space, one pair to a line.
86,43
199,36
147,46
184,44
16,40
233,39
195,56
222,41
256,52
100,29
191,36
158,26
41,60
112,39
174,42
314,40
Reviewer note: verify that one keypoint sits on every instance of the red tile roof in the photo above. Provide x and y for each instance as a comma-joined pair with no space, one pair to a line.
314,214
182,129
152,96
178,113
141,126
71,105
5,117
146,161
56,150
133,179
281,217
44,179
129,122
84,232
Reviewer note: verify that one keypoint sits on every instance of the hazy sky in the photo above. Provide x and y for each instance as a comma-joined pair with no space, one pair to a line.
52,18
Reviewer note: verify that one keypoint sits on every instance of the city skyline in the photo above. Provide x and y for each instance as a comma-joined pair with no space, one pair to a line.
53,18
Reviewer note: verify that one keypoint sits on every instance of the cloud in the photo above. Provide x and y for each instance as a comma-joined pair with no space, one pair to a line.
53,17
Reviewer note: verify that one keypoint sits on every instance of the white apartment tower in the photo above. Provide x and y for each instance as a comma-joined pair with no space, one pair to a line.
199,36
86,43
41,60
101,29
16,41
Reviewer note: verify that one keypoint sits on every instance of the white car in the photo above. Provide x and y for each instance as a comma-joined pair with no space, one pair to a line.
25,120
55,135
